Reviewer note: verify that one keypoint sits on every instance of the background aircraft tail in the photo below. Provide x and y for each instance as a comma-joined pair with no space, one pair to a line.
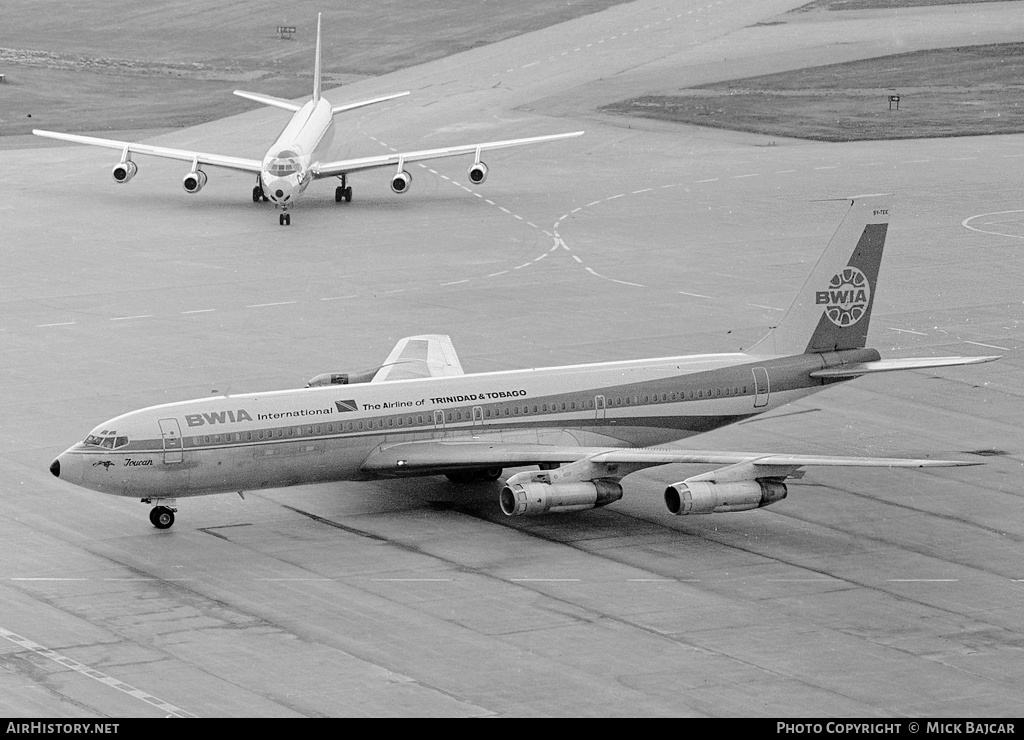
316,64
833,308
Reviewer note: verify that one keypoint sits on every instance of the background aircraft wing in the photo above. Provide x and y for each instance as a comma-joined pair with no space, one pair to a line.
347,166
424,457
216,160
422,356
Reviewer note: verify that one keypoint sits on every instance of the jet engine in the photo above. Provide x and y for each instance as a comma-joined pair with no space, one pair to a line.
364,376
401,181
529,498
478,173
124,171
194,181
705,497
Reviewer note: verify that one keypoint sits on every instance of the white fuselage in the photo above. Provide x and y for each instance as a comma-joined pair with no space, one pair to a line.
310,435
286,166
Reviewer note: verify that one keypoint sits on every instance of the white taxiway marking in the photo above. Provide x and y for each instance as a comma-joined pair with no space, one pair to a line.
544,580
278,303
651,580
966,225
201,310
923,580
128,318
63,323
907,331
93,674
982,344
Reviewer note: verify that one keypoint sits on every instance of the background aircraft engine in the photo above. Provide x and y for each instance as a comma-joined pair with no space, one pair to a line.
193,182
705,497
478,173
401,182
532,498
342,378
124,171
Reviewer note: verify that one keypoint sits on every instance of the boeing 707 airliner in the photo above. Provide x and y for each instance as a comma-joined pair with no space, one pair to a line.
296,157
585,426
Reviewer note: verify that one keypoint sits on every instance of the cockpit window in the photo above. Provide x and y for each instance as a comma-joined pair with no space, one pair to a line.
107,439
284,163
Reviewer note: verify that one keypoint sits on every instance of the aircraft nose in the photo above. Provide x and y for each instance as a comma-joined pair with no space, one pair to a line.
55,468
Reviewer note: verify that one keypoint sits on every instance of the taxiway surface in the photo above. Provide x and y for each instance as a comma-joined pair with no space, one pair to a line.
865,593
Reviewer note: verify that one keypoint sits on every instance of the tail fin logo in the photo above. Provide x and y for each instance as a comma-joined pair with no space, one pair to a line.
847,298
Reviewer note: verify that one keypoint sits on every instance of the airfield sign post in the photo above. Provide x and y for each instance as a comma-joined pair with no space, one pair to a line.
894,99
285,32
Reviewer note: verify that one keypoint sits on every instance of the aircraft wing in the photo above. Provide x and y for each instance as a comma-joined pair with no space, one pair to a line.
857,369
427,456
127,147
422,356
347,166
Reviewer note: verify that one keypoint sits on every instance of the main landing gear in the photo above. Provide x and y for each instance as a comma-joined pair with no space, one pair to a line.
258,196
343,192
485,475
162,514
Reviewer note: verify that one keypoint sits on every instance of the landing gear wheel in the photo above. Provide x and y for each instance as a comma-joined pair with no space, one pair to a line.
472,476
343,193
257,194
161,517
348,194
286,219
489,474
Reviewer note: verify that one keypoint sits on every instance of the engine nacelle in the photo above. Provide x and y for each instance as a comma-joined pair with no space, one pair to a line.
478,173
401,182
193,182
705,497
529,498
342,378
124,171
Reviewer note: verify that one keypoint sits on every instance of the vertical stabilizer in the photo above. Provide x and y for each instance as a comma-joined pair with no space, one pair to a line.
833,308
316,64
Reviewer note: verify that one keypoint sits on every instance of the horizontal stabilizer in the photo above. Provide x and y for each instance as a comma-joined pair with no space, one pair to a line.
857,369
351,106
269,100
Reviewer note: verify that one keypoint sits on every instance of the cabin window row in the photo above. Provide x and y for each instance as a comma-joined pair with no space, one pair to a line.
452,416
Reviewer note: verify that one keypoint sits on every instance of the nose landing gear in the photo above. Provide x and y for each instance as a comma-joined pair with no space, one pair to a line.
162,515
285,219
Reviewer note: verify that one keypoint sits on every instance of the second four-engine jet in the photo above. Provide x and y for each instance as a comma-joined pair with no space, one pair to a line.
296,157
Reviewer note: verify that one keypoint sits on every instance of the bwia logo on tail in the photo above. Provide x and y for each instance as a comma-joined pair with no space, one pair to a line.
833,307
847,298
